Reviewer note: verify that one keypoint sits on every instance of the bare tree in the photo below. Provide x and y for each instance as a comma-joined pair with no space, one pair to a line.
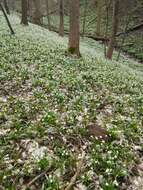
11,4
6,6
29,7
127,22
74,35
99,15
37,12
7,20
48,14
61,25
24,7
107,8
114,29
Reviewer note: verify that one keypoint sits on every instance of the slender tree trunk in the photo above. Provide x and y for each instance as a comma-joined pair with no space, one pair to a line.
29,7
74,37
124,36
24,6
6,7
37,12
7,20
61,26
48,14
107,5
11,4
99,15
84,18
114,29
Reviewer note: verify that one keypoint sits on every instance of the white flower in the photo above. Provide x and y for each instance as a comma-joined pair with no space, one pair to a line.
115,182
85,110
79,118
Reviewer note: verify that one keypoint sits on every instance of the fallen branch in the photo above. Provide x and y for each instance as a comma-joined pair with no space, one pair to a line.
137,27
78,171
52,12
38,177
104,39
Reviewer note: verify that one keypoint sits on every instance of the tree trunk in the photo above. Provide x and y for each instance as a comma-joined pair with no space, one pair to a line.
37,13
48,15
107,8
84,18
7,20
11,4
114,29
74,36
6,6
29,7
24,6
99,14
61,26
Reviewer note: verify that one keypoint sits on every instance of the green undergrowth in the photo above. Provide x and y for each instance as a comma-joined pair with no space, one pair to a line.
134,45
47,100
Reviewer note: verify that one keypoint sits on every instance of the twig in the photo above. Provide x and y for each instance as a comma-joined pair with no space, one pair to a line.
73,179
38,177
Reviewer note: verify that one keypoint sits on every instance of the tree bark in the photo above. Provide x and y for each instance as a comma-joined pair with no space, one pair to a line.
7,20
11,4
61,25
6,7
24,6
37,13
84,18
29,7
99,14
115,21
48,15
74,36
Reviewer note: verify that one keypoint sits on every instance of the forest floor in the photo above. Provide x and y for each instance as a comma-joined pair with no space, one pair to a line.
48,101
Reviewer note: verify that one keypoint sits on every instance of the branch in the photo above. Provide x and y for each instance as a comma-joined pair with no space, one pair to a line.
38,177
7,20
104,39
52,12
137,27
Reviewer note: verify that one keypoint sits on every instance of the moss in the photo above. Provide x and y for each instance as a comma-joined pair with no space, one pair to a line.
71,50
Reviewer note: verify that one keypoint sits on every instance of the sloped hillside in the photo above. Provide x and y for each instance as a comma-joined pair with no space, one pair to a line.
48,104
